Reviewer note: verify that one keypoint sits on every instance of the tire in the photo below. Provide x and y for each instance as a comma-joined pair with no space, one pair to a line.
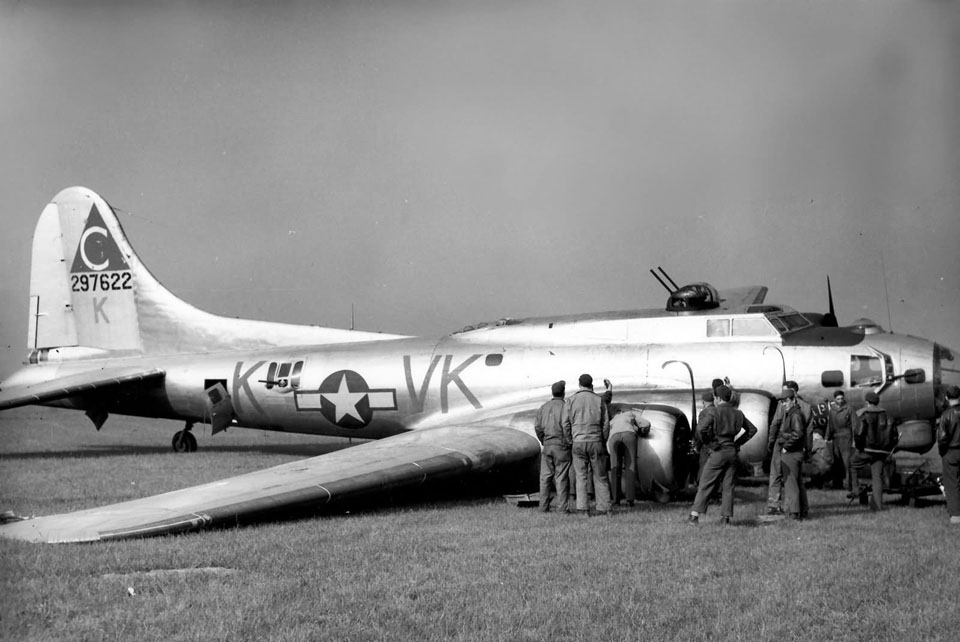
184,442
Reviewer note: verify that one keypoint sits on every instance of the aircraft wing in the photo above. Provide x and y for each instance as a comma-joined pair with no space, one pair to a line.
405,460
71,385
738,298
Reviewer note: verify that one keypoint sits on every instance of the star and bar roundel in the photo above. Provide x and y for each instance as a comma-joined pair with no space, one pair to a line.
345,399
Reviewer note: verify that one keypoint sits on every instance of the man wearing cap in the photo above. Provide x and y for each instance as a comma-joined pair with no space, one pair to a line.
775,486
585,418
793,442
719,431
555,458
874,439
734,395
948,442
840,435
625,427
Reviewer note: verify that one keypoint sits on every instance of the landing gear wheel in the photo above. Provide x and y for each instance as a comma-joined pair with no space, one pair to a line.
184,442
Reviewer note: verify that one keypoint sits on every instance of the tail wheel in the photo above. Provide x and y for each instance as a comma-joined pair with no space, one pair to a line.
184,442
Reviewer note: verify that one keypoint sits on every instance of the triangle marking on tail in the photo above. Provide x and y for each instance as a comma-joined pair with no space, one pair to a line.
97,250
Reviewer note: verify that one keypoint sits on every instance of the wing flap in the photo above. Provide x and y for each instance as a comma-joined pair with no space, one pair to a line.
63,387
394,463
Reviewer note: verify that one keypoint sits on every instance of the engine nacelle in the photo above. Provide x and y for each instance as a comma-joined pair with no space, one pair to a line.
664,460
758,408
916,436
662,455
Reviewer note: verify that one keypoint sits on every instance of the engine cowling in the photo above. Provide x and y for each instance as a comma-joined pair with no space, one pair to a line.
663,457
916,436
663,454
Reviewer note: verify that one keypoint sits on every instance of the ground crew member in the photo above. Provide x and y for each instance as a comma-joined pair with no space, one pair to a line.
775,485
625,427
948,442
874,439
840,435
793,442
556,457
719,431
585,417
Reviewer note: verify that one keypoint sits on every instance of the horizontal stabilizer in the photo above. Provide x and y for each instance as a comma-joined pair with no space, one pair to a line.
405,460
76,384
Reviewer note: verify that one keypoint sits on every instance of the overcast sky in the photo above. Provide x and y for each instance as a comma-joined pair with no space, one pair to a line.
441,163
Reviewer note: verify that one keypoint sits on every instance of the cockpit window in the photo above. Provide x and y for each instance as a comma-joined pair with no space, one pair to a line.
752,327
795,321
865,371
490,324
789,322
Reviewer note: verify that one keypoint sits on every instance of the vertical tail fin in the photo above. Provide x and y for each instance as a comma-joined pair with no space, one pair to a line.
89,289
82,281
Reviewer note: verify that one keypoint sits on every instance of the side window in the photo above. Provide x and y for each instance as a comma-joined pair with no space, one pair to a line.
865,371
831,378
718,327
751,327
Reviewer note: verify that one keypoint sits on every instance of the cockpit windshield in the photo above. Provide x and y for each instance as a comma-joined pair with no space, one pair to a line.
789,321
489,324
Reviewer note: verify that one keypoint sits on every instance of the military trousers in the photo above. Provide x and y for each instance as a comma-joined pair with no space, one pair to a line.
843,461
702,458
590,460
873,461
721,468
623,466
775,486
794,492
554,472
951,480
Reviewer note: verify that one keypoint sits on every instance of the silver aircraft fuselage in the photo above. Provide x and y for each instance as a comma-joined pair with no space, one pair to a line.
501,373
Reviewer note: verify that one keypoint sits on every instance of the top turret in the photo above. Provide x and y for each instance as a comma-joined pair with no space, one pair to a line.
693,297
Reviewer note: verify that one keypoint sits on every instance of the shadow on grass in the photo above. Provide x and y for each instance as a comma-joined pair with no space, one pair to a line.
120,450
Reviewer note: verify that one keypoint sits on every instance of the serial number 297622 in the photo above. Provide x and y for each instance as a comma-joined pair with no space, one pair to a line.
101,282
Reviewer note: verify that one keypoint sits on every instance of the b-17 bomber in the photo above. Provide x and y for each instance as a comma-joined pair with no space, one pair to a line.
105,337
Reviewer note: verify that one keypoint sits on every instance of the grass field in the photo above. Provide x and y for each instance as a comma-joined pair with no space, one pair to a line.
473,568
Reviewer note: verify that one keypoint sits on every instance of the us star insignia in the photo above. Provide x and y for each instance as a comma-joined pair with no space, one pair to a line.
345,399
